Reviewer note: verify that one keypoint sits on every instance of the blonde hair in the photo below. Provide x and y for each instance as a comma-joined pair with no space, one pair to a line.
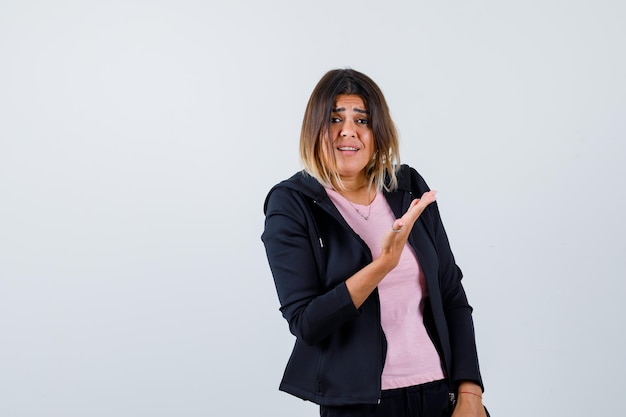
381,171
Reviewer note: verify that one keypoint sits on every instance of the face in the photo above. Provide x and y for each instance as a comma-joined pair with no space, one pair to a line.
352,138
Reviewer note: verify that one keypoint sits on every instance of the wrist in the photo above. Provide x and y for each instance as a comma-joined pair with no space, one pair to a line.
471,387
469,394
385,263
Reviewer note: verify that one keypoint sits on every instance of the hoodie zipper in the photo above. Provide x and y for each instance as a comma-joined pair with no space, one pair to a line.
342,221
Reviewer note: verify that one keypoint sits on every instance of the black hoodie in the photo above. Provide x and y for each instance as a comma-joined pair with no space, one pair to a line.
340,350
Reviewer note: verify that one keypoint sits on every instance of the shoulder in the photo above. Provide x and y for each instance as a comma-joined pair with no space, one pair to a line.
411,180
295,189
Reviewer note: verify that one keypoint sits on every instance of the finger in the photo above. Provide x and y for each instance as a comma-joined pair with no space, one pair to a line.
397,225
417,206
429,196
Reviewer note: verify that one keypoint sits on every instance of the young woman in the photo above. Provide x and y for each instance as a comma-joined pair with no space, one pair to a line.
364,272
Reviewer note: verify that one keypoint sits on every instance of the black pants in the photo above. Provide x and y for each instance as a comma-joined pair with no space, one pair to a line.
426,400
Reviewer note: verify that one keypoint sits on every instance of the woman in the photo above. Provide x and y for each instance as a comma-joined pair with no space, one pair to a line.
363,269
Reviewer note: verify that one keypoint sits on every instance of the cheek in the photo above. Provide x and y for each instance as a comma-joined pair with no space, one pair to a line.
368,138
372,147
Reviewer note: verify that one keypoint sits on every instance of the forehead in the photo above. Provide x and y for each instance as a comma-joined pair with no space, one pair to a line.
349,102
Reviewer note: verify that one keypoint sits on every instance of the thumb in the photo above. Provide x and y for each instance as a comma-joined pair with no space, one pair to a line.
397,225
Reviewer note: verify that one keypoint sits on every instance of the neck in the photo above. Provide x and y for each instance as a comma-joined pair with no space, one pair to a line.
354,184
362,194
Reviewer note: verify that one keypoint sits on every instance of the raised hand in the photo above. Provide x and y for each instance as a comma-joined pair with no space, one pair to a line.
361,284
396,238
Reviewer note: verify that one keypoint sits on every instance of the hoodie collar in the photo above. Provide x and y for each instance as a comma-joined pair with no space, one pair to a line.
311,187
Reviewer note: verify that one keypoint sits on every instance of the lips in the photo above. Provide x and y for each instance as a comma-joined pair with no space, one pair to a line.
348,148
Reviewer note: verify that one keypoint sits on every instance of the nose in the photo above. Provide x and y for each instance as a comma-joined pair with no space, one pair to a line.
348,129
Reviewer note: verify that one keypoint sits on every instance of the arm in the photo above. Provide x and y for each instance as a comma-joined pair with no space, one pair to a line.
458,313
361,284
313,313
465,373
457,310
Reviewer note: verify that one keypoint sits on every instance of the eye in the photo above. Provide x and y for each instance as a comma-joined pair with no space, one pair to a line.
363,121
335,120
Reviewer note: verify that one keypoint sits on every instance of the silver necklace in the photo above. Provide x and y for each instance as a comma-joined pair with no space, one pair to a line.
369,207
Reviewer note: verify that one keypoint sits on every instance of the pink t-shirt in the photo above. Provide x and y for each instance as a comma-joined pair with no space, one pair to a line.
411,356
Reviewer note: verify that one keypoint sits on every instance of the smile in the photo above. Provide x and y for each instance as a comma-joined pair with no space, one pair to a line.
347,148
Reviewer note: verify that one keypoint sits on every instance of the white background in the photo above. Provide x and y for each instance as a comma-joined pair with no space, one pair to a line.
138,140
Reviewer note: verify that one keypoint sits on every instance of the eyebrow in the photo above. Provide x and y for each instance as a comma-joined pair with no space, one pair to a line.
356,109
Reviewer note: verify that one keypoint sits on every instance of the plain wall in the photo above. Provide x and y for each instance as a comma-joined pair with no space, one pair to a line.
138,140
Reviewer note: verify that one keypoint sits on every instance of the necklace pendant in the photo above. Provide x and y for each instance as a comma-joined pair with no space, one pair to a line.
361,214
369,207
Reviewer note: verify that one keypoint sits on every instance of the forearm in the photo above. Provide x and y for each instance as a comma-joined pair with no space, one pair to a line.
464,360
363,283
470,388
314,319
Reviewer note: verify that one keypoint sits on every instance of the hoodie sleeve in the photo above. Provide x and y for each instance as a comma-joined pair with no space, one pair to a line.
457,310
293,251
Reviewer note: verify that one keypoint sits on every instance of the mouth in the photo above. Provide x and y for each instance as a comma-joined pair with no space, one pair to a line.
347,148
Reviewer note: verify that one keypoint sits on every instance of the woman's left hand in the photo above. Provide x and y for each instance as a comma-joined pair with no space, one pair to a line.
469,401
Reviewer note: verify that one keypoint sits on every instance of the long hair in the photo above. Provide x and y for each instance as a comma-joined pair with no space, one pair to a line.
316,128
